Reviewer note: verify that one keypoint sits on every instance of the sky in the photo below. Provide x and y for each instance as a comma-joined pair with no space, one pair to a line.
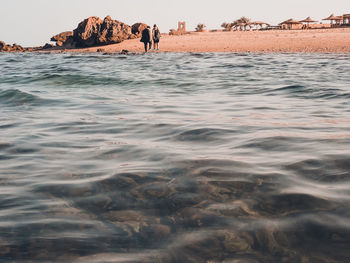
34,22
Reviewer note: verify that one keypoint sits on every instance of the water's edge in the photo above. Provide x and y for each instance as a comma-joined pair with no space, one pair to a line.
174,157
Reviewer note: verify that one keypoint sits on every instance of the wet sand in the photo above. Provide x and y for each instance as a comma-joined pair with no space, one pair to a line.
318,40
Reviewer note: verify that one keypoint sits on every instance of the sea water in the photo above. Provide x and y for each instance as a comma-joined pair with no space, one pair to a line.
174,158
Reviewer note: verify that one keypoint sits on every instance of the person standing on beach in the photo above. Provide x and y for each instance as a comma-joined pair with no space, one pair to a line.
156,37
147,38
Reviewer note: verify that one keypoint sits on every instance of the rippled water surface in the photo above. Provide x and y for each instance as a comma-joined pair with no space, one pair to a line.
175,158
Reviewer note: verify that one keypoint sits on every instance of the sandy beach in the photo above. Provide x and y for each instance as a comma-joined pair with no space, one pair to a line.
318,40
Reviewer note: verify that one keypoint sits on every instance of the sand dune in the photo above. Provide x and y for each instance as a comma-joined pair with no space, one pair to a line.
319,40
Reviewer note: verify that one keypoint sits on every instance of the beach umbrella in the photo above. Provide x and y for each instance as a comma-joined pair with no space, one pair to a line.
308,20
338,18
290,22
332,18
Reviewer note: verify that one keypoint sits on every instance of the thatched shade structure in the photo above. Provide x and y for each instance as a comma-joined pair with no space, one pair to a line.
308,20
289,23
332,18
346,19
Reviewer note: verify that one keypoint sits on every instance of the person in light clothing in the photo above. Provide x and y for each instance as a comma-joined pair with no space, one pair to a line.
156,37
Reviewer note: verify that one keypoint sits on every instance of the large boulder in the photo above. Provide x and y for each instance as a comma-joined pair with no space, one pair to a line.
113,31
63,38
137,28
94,32
87,32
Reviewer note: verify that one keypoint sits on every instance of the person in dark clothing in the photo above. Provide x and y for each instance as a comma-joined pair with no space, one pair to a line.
156,37
147,38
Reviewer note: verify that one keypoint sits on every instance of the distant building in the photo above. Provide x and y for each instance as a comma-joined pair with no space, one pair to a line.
181,27
346,19
181,30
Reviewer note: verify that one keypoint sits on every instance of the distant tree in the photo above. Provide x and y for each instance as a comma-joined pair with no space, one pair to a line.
243,22
227,26
234,24
200,27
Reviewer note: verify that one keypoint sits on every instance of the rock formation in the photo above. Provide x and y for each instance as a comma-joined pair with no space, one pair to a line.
86,34
113,31
63,38
137,29
95,32
9,48
47,46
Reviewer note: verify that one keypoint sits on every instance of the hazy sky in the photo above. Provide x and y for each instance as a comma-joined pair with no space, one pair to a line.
33,22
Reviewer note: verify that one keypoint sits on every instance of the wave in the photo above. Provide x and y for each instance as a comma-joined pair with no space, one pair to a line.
202,135
309,92
15,97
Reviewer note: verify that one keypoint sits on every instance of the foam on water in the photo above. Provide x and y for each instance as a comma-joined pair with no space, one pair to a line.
174,158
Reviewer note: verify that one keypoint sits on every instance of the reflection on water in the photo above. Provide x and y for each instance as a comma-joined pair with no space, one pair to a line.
174,158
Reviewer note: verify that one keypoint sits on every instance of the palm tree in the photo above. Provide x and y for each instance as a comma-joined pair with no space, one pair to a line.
243,22
200,27
227,26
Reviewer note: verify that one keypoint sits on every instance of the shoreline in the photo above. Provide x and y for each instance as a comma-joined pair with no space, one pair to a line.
335,40
274,41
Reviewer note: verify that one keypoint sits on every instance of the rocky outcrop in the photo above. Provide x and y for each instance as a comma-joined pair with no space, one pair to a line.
137,29
47,46
63,39
86,34
95,32
2,45
113,31
9,48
